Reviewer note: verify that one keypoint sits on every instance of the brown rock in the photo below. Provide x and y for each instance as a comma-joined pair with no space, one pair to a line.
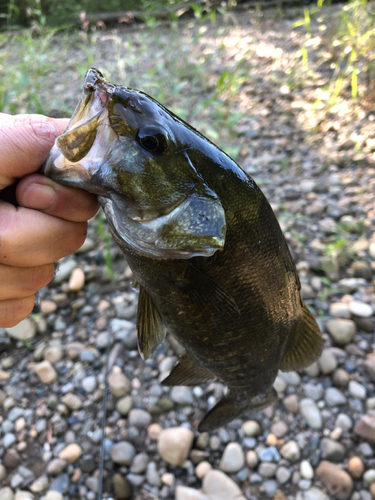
45,372
355,467
11,459
4,376
71,453
48,306
118,382
279,496
365,428
123,489
174,444
77,280
74,349
338,482
372,490
369,365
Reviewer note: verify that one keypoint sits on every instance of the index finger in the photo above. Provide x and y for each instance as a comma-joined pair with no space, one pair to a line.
25,142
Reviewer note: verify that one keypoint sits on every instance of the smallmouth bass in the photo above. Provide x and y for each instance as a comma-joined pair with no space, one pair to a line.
204,245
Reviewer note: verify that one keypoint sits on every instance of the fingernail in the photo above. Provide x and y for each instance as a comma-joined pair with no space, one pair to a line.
40,196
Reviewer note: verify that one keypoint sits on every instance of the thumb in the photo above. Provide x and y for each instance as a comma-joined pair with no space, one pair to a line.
25,142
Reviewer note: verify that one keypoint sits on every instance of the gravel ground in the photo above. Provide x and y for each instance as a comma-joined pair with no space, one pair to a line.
316,166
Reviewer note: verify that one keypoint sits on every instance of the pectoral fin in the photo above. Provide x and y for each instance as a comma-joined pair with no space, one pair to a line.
188,371
208,294
151,331
229,408
305,346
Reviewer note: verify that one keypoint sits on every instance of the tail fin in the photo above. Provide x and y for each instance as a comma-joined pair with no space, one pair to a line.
229,408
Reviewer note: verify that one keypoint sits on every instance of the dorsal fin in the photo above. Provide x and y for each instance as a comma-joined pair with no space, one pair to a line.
151,331
305,346
188,371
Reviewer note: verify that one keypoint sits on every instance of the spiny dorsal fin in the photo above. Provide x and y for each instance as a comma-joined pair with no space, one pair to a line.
151,331
188,371
306,346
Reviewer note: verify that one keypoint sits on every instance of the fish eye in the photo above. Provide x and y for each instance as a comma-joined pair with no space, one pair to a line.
152,142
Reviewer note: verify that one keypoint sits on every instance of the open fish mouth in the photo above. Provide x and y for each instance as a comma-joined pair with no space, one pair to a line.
117,145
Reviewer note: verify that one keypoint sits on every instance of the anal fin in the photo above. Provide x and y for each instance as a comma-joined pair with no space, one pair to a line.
305,346
187,371
151,331
230,408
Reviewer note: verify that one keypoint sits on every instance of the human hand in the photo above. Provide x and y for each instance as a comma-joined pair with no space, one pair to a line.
50,221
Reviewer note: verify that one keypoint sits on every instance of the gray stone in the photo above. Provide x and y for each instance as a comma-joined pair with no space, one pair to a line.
219,486
291,378
344,422
233,458
89,384
313,493
124,405
40,484
139,463
152,475
185,493
267,469
357,390
342,331
332,450
60,484
25,330
174,444
65,269
360,309
369,365
6,493
327,362
269,454
182,395
333,397
251,428
283,475
270,487
311,413
15,413
139,418
8,440
3,473
135,479
290,451
123,453
339,310
291,403
313,391
306,470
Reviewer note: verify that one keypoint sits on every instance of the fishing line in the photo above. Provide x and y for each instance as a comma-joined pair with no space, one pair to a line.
104,418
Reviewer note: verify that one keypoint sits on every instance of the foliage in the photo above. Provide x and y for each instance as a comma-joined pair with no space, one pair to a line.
348,41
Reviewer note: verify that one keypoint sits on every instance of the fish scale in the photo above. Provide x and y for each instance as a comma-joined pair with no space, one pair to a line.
203,243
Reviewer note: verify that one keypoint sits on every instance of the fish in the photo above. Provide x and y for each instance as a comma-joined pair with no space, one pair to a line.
206,250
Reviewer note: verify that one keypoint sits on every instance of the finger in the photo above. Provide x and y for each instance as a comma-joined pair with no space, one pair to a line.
29,238
15,310
25,142
20,282
41,193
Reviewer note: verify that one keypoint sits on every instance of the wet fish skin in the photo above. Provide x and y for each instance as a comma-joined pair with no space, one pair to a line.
202,241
